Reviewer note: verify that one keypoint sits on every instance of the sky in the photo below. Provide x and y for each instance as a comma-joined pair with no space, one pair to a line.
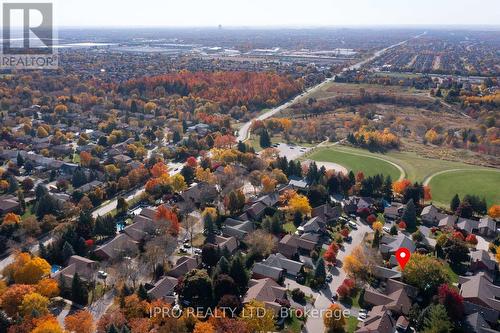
182,13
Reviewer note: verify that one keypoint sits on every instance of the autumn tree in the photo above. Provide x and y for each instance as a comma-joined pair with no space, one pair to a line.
80,322
334,319
34,303
47,324
258,318
48,288
494,211
260,243
300,203
166,215
426,273
203,327
12,298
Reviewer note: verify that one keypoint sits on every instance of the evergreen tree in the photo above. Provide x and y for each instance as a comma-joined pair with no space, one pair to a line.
297,219
222,267
208,225
265,139
20,160
455,202
239,274
387,189
410,215
242,147
67,251
79,293
142,293
320,271
113,329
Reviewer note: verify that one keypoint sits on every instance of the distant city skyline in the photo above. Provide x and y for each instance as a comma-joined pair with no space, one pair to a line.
261,13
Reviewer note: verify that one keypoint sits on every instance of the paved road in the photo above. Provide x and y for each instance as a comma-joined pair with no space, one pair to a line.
323,298
244,131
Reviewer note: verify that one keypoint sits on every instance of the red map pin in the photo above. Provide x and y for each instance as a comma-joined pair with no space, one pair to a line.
402,256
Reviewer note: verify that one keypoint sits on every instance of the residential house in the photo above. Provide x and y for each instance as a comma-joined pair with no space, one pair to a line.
164,289
142,228
85,268
395,297
487,227
267,291
229,243
480,260
120,246
8,204
379,320
236,228
327,212
313,225
394,211
276,266
298,184
200,193
89,186
390,244
468,225
290,245
480,290
183,265
430,215
448,222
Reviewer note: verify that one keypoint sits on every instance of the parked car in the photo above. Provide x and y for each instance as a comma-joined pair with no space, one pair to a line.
329,278
183,250
334,296
353,225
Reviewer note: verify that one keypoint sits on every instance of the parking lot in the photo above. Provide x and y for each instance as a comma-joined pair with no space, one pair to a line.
290,151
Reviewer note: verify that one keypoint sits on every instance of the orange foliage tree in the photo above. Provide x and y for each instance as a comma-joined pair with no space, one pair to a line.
166,214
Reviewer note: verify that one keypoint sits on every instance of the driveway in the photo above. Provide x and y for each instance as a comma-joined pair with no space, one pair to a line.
315,324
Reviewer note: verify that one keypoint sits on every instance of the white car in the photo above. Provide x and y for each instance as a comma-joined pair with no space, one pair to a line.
353,224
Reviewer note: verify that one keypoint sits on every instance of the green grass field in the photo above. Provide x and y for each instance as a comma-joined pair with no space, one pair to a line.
368,165
484,183
470,179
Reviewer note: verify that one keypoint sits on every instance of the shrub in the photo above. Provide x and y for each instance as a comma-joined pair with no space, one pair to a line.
298,295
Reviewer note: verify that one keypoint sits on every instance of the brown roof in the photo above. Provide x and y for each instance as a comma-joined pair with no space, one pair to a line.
163,288
480,290
266,291
183,265
379,320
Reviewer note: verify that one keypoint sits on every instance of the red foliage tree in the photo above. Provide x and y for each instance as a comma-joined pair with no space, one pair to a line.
452,301
402,225
371,218
471,239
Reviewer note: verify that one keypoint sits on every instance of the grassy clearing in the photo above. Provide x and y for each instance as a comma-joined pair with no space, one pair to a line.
352,323
417,168
483,183
368,165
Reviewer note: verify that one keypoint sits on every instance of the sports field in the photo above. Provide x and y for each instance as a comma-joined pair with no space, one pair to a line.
368,165
445,178
484,183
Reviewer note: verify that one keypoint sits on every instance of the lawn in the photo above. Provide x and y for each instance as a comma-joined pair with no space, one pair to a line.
352,323
370,166
289,227
483,183
416,168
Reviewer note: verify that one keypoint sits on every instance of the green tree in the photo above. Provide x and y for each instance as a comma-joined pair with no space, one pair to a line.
239,274
425,273
79,292
455,203
410,215
437,320
320,271
265,139
197,288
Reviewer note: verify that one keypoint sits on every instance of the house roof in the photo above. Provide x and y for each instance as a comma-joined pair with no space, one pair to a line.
390,244
479,288
379,320
314,224
467,224
76,264
183,265
484,257
117,246
228,242
265,290
262,269
326,212
448,221
280,261
385,273
162,288
488,223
